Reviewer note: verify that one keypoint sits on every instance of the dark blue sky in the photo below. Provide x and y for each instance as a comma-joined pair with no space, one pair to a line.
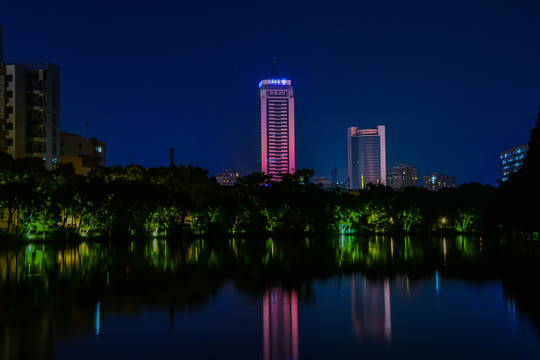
455,82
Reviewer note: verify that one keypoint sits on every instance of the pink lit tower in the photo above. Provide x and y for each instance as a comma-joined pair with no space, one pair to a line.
275,125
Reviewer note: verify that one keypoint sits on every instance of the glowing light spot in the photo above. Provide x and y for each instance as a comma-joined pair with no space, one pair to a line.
444,250
97,327
437,281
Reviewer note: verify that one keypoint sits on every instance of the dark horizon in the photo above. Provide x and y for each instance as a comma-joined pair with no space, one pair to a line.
454,84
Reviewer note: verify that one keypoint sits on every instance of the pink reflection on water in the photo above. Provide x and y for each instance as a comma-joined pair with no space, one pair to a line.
370,307
280,324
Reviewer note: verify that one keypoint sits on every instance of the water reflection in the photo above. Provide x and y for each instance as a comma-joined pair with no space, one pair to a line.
280,324
51,292
370,309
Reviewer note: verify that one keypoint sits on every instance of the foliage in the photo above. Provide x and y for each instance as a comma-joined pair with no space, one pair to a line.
134,201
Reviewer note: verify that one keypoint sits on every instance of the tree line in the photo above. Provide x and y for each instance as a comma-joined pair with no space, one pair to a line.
184,200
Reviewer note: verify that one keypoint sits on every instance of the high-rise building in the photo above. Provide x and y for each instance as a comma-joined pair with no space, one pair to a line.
512,160
436,182
84,154
275,127
30,110
367,156
402,176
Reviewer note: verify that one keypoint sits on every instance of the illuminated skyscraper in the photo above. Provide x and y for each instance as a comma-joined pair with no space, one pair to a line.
367,156
275,127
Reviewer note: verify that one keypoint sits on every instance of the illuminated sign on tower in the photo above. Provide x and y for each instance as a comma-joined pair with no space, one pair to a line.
275,127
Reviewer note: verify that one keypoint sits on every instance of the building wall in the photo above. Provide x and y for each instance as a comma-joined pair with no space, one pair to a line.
393,180
322,181
436,182
402,176
3,147
227,178
511,160
366,156
84,154
275,127
31,111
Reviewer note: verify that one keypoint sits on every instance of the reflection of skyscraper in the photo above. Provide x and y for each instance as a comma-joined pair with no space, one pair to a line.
367,156
370,306
275,125
280,324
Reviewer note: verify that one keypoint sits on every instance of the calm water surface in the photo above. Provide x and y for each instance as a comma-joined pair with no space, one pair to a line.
348,298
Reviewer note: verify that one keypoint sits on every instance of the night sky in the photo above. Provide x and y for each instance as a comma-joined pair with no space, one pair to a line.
455,82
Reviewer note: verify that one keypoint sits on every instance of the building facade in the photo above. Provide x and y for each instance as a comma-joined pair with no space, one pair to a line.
275,127
84,154
512,160
227,178
322,181
30,110
366,156
402,176
436,182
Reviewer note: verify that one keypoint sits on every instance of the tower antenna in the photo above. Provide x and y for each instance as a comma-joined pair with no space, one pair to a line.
274,73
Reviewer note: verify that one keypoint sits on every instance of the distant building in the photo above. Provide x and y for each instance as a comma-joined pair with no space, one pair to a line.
436,182
402,176
30,110
393,180
84,154
227,178
322,181
275,127
512,160
366,156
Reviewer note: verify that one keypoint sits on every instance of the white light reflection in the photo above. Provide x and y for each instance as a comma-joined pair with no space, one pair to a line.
437,281
97,319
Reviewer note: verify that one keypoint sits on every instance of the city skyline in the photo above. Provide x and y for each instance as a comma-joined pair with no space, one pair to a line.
446,79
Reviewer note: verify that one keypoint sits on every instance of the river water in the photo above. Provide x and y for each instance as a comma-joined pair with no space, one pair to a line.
299,298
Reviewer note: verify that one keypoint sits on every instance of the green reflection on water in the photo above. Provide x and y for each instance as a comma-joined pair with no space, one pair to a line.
162,256
66,280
